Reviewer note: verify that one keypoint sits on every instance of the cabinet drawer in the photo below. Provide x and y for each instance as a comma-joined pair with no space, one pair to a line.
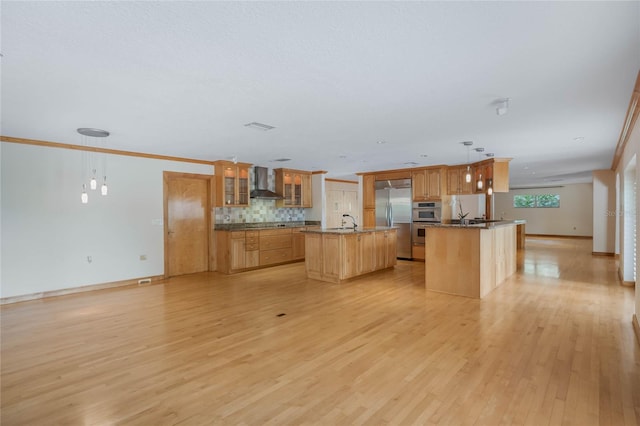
237,234
268,257
251,240
270,242
251,247
252,234
269,232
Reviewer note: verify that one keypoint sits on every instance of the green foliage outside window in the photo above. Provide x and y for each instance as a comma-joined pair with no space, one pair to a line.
540,200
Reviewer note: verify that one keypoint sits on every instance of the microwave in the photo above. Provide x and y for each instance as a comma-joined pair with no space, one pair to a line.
427,211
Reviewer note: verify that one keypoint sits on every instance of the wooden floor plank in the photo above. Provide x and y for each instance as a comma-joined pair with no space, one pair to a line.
553,345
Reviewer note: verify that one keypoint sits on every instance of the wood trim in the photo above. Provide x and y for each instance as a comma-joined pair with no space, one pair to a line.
602,253
81,289
319,172
628,283
103,150
580,237
636,327
210,217
633,110
340,180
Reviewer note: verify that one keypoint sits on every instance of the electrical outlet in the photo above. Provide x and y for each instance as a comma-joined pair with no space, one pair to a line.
143,257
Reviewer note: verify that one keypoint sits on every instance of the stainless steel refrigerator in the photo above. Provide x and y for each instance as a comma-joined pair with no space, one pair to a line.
393,208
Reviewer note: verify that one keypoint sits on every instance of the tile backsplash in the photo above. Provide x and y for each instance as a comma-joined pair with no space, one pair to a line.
259,211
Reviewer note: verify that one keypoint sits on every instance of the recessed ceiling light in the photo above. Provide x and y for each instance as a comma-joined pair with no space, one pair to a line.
526,167
411,163
467,143
281,160
342,156
259,126
423,155
381,142
579,139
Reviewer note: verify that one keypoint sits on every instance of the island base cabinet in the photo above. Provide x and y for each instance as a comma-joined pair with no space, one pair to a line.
336,257
469,262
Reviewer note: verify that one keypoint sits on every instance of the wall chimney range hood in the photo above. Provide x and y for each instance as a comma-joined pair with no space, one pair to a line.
261,191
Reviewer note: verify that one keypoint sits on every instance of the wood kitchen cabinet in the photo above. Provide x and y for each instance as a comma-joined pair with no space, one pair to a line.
297,244
295,188
232,184
369,200
494,173
456,181
426,184
385,247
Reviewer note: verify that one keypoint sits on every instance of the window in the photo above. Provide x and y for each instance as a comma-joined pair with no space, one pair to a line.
539,200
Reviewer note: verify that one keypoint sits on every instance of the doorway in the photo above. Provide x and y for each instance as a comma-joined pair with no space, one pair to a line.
187,223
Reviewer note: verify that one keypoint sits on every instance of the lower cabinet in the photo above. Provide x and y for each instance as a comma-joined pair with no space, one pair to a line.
239,251
386,246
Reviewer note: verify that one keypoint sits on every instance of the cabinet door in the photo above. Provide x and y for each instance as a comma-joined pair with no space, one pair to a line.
242,197
306,191
252,258
297,244
367,255
433,184
391,248
453,184
349,256
419,185
297,190
369,193
380,244
229,185
466,187
237,254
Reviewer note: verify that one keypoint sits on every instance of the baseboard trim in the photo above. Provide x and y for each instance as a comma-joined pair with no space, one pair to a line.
628,283
636,327
602,253
81,289
582,237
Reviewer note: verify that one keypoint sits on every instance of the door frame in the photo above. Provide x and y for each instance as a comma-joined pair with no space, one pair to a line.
209,217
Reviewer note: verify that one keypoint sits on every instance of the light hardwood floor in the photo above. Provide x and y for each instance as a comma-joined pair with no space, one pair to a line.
553,345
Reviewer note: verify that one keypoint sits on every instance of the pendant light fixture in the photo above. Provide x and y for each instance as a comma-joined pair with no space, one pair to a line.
467,176
87,133
479,182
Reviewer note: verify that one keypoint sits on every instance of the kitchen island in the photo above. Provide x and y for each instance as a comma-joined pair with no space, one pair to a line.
470,260
338,254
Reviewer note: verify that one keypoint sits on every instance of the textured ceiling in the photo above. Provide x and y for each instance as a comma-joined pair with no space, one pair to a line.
334,78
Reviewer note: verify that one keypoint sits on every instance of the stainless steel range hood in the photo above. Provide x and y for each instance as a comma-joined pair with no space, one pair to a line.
261,191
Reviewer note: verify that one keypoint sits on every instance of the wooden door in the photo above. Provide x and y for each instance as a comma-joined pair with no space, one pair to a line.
334,208
187,221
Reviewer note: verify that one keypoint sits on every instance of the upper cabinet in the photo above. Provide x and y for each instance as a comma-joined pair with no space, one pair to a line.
493,173
426,184
232,184
457,182
295,188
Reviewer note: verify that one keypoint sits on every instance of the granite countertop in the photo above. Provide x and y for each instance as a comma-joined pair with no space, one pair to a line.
348,230
485,225
264,225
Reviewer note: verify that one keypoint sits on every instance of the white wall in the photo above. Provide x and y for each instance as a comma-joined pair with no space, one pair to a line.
604,211
474,205
631,152
47,233
574,217
317,199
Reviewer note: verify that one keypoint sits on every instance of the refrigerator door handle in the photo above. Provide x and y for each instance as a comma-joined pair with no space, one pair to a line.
390,222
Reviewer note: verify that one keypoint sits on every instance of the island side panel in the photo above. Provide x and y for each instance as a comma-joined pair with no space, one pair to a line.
313,255
452,261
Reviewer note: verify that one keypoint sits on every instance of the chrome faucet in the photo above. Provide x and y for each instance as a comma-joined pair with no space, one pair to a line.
352,219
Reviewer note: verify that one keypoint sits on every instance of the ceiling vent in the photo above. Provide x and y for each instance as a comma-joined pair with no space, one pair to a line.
259,126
